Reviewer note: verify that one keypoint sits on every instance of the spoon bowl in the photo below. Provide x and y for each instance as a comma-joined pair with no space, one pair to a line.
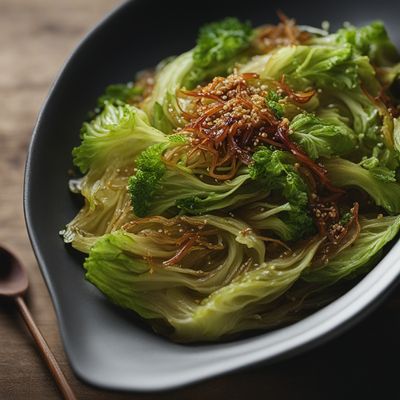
13,277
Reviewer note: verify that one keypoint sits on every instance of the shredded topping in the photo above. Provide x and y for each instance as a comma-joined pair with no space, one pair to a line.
297,97
181,234
228,118
338,235
284,34
282,136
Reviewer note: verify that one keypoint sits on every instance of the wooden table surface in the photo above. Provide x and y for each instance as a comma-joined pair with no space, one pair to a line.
35,38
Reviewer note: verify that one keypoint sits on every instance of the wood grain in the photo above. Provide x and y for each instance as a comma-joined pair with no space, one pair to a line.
35,38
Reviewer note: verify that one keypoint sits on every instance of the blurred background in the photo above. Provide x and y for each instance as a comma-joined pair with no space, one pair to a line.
36,37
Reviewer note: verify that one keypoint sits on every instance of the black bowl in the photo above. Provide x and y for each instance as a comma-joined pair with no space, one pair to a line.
112,348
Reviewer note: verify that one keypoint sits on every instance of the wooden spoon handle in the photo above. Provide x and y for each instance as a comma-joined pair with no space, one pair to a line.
45,350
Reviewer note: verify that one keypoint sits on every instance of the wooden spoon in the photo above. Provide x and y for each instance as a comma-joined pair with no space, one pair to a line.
14,283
